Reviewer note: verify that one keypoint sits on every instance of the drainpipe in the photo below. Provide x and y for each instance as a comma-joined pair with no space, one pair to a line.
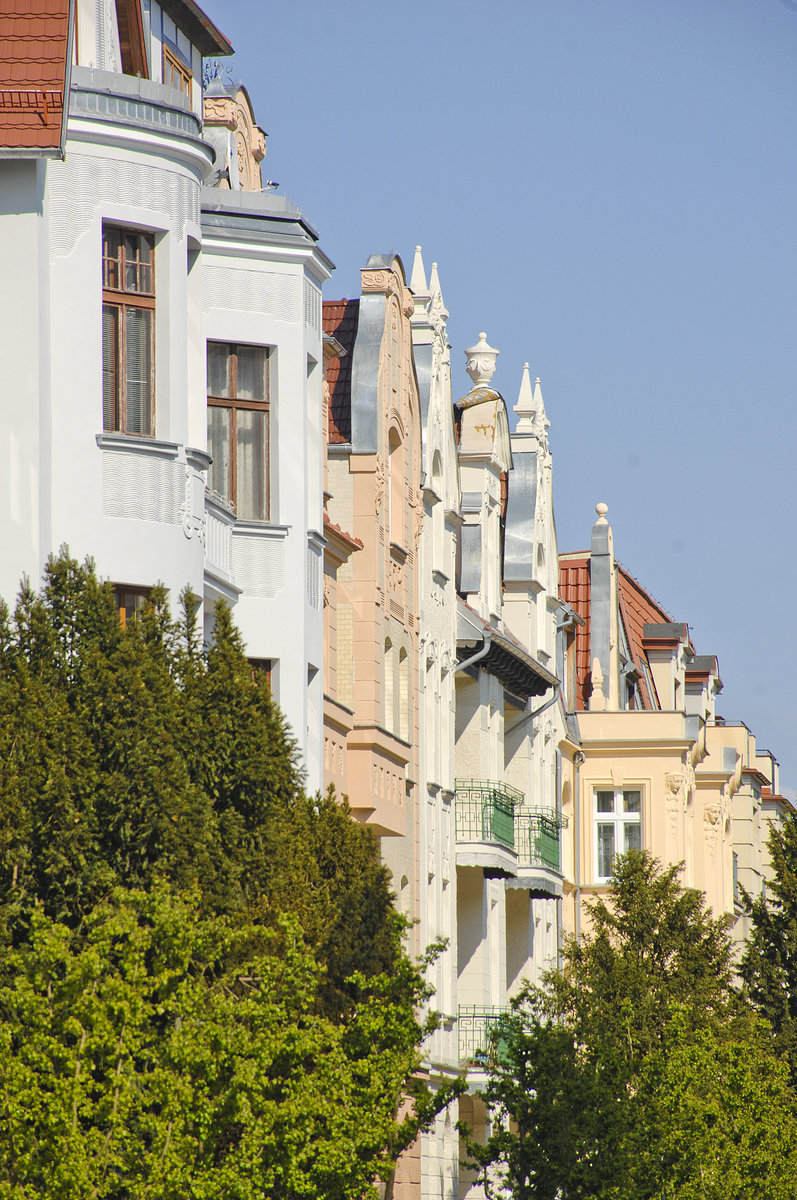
480,654
559,899
578,759
530,716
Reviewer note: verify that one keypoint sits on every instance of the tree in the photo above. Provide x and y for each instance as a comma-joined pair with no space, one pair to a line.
638,1072
159,1053
127,754
203,987
769,963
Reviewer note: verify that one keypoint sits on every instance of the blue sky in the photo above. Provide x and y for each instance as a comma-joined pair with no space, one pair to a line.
608,187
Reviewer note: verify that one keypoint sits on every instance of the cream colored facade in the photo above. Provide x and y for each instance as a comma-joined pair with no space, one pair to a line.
374,495
658,768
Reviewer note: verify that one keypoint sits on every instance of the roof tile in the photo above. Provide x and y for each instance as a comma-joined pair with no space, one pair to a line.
341,318
33,50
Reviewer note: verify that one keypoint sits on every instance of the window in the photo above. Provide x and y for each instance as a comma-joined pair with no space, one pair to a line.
130,602
238,427
175,73
618,826
261,670
395,511
128,330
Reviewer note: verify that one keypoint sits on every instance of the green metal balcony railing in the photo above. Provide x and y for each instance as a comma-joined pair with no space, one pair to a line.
537,837
486,811
482,1035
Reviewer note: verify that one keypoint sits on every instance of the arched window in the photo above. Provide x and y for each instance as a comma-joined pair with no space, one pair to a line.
390,686
438,513
404,696
395,488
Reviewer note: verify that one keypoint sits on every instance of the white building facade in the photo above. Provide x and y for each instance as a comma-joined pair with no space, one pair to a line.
132,277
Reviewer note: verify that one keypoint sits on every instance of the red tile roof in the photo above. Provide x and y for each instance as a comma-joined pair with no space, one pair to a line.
637,609
348,538
34,47
341,318
574,588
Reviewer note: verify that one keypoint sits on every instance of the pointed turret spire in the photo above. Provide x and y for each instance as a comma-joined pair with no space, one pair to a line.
418,278
541,422
434,283
525,404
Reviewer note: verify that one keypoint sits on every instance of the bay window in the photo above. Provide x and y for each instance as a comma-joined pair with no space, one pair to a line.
238,427
128,330
618,826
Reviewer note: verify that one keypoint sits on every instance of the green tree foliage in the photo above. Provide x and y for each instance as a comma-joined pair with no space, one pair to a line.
638,1073
203,987
137,1061
130,753
769,965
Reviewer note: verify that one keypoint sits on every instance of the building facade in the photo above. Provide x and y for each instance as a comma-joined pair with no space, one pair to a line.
659,769
190,319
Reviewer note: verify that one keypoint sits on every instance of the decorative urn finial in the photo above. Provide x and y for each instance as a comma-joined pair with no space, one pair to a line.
481,361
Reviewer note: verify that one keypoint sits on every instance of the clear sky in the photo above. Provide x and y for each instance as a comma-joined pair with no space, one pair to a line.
608,187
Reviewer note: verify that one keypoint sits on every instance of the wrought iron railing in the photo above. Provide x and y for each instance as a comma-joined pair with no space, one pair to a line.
482,1035
538,836
486,811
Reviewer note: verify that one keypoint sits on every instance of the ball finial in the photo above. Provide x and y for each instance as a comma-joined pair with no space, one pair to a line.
602,509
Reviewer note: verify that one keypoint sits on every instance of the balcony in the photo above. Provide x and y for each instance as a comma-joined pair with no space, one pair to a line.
538,846
485,812
482,1036
219,523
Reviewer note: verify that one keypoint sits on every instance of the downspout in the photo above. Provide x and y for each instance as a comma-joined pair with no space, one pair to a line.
480,654
578,759
559,899
530,716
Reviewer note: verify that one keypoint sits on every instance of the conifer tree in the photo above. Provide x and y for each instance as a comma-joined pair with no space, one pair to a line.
133,753
638,1072
769,963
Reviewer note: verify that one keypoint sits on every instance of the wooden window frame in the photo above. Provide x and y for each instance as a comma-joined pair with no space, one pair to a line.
235,405
122,590
132,40
121,298
174,67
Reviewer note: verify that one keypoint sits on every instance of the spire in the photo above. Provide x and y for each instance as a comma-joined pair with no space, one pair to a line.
434,283
525,404
541,422
418,278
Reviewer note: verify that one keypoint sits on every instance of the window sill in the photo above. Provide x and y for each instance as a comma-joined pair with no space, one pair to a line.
137,443
261,529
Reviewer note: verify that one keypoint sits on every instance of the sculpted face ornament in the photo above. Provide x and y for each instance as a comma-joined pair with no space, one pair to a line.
481,361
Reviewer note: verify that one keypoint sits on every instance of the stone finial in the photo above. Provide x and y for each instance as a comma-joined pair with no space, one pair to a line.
525,403
418,278
597,700
601,509
481,361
